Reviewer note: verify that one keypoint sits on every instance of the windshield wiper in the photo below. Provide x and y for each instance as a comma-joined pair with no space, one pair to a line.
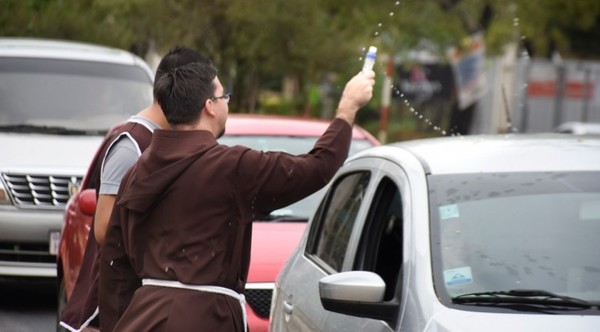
284,217
523,296
23,128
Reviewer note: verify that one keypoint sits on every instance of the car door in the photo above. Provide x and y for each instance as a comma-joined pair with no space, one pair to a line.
381,245
322,251
357,225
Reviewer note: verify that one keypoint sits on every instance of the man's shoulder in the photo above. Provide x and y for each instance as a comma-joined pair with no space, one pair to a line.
232,150
133,129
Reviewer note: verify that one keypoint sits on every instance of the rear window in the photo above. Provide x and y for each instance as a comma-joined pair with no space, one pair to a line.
295,145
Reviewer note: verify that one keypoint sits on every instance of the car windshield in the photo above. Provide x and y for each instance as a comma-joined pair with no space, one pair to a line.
510,232
303,209
38,94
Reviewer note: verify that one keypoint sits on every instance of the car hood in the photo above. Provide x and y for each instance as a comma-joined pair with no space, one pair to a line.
272,245
51,154
451,320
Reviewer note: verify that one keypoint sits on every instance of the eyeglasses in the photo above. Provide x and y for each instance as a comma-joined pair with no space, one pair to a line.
225,97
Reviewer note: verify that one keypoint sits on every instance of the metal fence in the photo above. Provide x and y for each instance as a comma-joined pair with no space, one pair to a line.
537,95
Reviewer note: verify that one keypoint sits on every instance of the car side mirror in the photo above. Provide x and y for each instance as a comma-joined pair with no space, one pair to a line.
357,293
87,202
359,286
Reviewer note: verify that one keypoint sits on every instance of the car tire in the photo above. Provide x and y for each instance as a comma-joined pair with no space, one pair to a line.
62,302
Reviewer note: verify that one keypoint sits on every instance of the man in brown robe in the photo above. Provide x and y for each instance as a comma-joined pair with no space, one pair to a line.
183,219
120,149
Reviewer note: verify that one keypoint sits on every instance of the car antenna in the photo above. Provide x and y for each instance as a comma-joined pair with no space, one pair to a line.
509,127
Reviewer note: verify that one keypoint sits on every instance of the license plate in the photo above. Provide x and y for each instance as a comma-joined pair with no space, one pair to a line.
54,242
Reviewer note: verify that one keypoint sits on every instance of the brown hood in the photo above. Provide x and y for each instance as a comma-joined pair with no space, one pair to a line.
161,164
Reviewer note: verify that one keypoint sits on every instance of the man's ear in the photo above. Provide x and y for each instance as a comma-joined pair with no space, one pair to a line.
209,107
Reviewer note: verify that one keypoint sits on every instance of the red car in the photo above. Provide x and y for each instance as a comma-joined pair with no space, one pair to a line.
272,240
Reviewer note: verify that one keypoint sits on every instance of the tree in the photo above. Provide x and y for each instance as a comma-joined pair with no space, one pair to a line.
258,44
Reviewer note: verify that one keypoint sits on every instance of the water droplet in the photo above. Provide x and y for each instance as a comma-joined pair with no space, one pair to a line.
213,253
360,58
182,249
412,109
397,3
376,33
391,13
444,132
111,263
420,116
167,269
363,49
402,95
379,25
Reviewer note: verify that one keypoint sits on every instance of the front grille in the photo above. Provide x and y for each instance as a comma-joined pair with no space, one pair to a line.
39,191
259,299
26,253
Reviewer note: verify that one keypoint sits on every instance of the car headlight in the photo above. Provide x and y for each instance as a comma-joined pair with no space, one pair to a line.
3,195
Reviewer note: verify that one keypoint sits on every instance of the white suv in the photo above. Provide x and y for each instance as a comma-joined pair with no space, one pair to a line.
57,101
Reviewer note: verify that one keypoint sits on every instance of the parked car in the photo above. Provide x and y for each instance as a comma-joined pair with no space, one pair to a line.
468,233
57,100
273,239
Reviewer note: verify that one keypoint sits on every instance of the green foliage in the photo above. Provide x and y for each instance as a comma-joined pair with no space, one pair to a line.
258,44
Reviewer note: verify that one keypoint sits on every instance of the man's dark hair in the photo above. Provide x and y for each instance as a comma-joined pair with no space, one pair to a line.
183,83
182,92
177,57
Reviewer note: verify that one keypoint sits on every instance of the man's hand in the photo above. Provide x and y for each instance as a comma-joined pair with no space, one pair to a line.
357,93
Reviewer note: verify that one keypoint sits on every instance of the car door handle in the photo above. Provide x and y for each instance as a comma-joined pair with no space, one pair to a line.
288,307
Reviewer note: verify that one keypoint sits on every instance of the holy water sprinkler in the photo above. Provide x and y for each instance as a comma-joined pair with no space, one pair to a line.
370,59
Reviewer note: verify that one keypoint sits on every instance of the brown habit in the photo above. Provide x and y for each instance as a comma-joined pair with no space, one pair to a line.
185,212
81,309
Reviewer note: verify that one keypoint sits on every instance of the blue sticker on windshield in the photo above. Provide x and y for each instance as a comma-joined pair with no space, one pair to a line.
449,211
458,276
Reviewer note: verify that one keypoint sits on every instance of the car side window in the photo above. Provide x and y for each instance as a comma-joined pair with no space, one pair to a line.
335,219
380,247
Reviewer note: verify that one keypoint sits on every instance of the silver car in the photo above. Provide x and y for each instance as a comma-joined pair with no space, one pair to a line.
57,100
481,233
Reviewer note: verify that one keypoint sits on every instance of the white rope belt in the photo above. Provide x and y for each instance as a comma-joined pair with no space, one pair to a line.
201,288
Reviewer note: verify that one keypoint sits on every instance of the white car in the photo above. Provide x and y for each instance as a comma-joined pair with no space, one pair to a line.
475,233
57,101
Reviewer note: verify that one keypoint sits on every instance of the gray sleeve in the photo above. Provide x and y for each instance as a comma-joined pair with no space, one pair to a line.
119,158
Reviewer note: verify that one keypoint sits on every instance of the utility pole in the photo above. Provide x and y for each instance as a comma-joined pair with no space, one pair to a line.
386,98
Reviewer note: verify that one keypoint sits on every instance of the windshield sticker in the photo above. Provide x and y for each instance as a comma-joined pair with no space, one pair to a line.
449,211
458,276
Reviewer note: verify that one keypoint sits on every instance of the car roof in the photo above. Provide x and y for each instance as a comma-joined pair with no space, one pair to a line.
63,49
498,153
280,125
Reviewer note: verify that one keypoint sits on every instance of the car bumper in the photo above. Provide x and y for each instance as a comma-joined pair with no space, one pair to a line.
28,241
